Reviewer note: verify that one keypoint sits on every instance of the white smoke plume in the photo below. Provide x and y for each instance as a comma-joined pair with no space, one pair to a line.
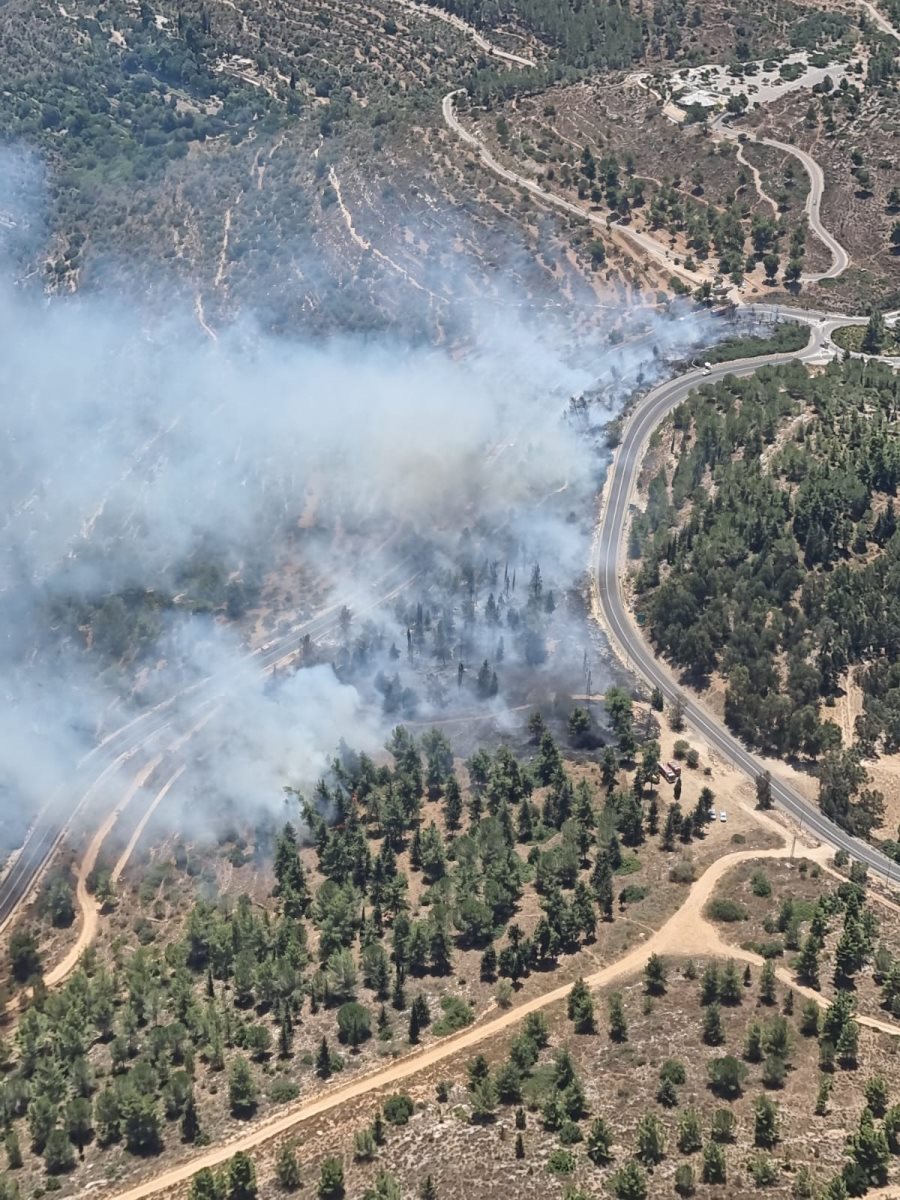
130,444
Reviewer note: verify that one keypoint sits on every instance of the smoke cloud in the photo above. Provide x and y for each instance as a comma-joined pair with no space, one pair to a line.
132,446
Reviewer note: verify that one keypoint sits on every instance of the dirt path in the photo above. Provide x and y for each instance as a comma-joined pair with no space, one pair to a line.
757,179
87,905
366,245
626,239
223,250
201,318
142,824
458,23
686,933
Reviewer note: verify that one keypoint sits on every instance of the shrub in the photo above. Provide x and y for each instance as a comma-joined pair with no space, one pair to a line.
763,1170
680,749
726,1076
457,1014
283,1091
684,1180
561,1162
684,871
628,865
570,1133
724,909
633,893
759,884
398,1109
673,1070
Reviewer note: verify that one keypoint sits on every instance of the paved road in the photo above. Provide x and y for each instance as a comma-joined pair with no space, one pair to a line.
840,259
608,555
143,733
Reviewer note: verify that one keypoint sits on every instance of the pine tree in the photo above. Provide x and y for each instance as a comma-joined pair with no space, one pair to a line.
667,1094
730,992
765,1127
714,1166
713,1032
618,1026
709,985
580,1005
242,1092
520,1146
690,1134
429,1191
869,1150
655,976
285,1033
323,1060
205,1186
651,1144
821,1108
287,1169
13,1150
190,1120
599,1143
378,1131
767,983
240,1178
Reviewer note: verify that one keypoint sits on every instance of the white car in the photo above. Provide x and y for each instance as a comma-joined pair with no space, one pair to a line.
712,814
723,815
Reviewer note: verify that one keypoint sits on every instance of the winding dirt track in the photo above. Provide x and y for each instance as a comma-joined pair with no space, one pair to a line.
686,934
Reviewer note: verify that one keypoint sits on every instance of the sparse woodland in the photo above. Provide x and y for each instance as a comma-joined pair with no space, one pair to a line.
418,878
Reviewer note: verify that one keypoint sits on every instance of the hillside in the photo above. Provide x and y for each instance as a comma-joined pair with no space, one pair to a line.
768,557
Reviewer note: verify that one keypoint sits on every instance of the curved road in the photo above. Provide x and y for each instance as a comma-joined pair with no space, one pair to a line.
840,259
607,555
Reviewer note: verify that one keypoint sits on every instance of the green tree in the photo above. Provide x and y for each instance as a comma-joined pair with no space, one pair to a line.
655,976
580,1006
685,1181
287,1169
354,1024
240,1178
690,1135
629,1183
714,1165
618,1026
24,959
877,1095
764,787
726,1076
875,337
242,1091
140,1121
599,1143
651,1144
765,1126
79,1121
190,1120
331,1180
204,1186
713,1030
868,1149
58,1157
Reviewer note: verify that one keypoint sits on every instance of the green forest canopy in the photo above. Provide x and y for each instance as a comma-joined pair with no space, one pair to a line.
774,558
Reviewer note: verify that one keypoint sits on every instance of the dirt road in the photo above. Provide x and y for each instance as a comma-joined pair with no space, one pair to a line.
687,933
87,905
